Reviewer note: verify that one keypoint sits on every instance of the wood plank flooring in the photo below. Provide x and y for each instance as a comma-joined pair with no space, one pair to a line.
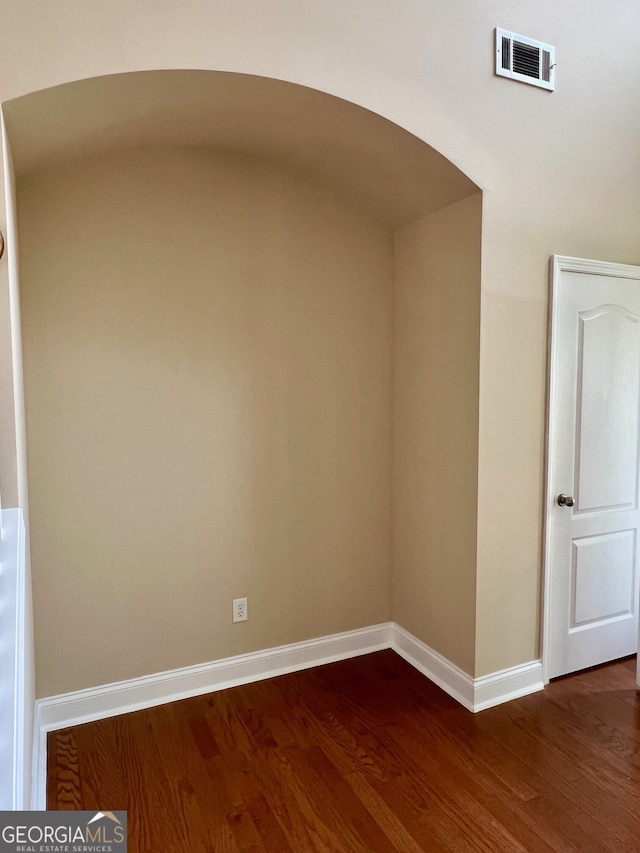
366,756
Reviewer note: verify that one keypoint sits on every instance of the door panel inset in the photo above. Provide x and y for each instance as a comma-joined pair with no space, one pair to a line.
603,578
607,422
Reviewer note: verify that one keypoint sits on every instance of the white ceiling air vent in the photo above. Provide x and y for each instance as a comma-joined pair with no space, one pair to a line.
525,59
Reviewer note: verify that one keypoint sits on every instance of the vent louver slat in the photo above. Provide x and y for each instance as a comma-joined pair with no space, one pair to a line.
506,53
524,59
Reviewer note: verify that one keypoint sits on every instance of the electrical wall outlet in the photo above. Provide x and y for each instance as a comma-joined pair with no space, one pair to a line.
240,611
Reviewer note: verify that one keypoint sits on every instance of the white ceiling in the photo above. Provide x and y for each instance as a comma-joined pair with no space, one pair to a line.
372,161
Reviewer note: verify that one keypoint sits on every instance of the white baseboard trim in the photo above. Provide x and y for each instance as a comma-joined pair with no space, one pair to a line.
109,700
475,694
507,684
454,681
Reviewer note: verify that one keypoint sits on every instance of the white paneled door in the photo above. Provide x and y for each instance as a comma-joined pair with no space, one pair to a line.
592,536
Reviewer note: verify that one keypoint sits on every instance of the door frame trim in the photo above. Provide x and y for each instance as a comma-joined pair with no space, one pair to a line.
557,265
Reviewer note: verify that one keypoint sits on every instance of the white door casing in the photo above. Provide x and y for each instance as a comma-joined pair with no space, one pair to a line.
592,547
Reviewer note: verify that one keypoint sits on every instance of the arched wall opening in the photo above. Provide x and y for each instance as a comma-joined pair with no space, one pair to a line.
250,317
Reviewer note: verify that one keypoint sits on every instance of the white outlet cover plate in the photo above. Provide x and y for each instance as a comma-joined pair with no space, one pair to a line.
240,611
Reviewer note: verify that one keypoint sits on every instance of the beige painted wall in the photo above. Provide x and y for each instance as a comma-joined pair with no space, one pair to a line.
207,344
435,428
559,172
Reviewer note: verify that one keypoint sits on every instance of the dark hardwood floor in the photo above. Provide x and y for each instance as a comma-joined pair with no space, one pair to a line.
366,755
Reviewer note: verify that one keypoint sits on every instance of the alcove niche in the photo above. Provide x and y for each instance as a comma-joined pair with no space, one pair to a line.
250,318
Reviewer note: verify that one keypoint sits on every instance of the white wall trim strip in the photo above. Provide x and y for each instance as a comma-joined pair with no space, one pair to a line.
476,694
454,681
13,660
507,684
109,700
